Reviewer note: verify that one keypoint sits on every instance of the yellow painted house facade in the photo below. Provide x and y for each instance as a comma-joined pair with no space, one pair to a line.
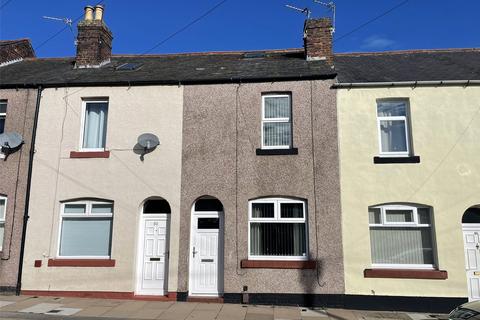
410,181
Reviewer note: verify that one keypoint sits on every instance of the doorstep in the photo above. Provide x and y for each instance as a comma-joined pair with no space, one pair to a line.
205,299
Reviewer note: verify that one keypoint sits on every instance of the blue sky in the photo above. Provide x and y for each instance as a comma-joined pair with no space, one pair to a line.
246,25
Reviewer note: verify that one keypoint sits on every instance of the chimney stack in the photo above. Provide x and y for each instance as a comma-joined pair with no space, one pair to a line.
94,40
317,38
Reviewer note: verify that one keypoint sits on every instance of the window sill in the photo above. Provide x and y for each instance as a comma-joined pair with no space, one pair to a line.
405,274
276,152
81,263
89,154
278,264
381,160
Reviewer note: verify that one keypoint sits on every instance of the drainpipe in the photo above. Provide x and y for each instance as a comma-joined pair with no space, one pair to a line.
27,196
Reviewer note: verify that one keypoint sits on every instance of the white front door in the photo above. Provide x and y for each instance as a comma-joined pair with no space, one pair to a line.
206,254
153,256
471,240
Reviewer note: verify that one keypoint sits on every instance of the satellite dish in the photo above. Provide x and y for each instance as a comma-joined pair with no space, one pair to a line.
148,141
10,140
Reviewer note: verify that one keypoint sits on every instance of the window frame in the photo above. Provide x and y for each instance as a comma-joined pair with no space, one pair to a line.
87,215
414,224
278,219
276,120
4,116
83,123
405,119
3,220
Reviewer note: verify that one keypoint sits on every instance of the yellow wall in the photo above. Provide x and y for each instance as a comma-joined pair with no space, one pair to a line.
446,135
122,178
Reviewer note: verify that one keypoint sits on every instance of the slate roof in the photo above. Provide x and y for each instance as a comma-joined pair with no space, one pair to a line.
169,69
399,66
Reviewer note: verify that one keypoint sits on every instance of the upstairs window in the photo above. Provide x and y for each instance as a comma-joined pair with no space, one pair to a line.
94,128
278,229
3,114
393,127
276,121
86,229
3,210
401,236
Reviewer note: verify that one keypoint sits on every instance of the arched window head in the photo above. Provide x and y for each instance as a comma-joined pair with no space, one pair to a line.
156,206
208,205
472,215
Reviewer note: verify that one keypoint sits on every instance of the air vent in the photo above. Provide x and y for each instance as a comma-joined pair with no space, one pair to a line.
129,66
253,55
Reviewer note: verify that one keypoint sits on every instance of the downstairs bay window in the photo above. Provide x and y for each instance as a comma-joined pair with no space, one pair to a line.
401,237
277,229
86,229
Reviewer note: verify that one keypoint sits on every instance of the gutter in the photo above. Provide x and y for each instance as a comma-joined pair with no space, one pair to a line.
346,85
29,183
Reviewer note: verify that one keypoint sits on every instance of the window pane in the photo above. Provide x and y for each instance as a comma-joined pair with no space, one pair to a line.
75,208
208,205
399,215
393,136
277,239
102,208
95,125
392,109
276,134
3,107
423,215
374,216
208,223
156,206
291,210
2,124
85,237
263,210
2,209
401,245
2,232
277,107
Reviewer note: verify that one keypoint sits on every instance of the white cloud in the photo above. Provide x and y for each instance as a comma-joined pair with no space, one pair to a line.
377,42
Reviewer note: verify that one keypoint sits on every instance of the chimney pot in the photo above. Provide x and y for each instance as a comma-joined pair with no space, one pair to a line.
99,12
88,13
318,39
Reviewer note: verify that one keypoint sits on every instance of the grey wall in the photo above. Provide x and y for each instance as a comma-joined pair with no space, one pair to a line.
13,180
221,162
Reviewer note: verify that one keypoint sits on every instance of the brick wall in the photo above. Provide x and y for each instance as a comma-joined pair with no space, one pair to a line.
94,43
318,39
11,50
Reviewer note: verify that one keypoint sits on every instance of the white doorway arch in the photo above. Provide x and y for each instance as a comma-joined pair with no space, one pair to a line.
471,242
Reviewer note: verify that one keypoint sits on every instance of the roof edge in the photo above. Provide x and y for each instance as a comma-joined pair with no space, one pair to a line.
351,85
409,51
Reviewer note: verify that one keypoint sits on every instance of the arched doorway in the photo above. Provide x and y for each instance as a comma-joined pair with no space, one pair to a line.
206,248
153,245
471,241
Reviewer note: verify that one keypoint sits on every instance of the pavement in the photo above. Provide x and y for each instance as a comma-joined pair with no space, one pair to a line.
34,307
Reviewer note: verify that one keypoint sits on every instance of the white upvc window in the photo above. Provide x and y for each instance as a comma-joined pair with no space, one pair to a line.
401,236
3,114
85,229
393,127
94,125
3,213
277,229
276,121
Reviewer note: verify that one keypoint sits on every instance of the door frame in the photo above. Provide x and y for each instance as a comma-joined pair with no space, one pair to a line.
220,271
140,253
468,227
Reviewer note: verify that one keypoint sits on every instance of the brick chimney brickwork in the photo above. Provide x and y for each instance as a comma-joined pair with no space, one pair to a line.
318,39
94,44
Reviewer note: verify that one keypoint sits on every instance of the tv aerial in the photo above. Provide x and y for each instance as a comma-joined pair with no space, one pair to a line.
305,11
331,7
10,142
67,22
148,141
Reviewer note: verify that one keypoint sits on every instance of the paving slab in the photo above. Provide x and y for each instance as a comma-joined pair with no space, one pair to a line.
63,311
23,304
94,311
282,313
232,312
148,313
125,310
178,311
209,306
202,315
5,303
313,313
258,316
341,314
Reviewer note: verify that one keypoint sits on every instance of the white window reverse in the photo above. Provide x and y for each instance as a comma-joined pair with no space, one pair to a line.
85,229
401,236
94,125
276,121
277,229
393,128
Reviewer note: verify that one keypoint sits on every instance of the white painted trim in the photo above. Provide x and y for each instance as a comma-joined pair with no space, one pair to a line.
278,120
395,118
221,248
82,124
278,219
3,220
140,253
403,266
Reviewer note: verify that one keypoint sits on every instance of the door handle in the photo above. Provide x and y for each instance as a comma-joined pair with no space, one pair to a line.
194,252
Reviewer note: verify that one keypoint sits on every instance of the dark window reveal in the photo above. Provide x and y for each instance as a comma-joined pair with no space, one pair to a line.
208,223
208,205
472,215
156,206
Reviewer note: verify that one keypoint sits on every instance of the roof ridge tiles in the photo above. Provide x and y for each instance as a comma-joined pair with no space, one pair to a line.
410,51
